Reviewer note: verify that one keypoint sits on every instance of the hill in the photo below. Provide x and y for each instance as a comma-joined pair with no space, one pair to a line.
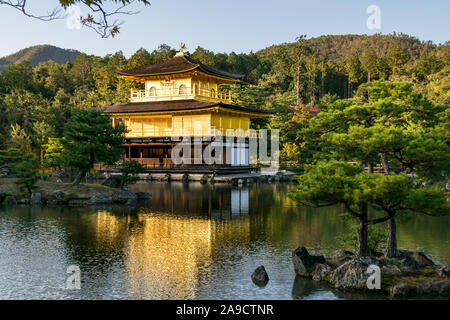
336,47
40,53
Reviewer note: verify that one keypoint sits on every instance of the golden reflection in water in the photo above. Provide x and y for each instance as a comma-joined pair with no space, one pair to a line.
163,256
165,253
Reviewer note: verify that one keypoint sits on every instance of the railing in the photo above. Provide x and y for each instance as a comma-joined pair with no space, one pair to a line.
177,94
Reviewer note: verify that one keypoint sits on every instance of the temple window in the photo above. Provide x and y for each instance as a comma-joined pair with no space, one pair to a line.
182,90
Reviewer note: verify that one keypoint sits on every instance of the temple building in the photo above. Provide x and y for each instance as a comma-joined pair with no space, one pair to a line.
182,97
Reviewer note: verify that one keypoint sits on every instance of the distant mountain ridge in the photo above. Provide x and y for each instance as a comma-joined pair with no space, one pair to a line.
38,54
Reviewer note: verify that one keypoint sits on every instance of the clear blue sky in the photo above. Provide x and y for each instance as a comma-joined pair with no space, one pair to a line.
229,25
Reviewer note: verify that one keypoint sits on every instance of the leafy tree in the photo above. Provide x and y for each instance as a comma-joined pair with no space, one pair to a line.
42,132
10,156
18,76
89,137
397,58
338,182
141,58
53,153
20,139
130,173
26,173
387,123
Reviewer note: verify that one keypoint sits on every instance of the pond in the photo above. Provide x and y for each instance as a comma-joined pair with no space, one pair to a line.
190,241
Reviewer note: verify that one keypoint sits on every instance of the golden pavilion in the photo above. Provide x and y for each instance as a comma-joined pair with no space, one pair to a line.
182,97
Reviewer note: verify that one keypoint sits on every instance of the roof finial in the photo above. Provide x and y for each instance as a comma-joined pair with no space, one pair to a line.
181,52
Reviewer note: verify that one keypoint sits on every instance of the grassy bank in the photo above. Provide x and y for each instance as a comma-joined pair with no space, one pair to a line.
46,188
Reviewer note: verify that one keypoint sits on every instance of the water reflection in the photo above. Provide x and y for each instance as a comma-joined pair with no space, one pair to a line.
191,241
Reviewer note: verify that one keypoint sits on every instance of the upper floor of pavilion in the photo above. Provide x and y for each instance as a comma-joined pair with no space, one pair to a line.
180,78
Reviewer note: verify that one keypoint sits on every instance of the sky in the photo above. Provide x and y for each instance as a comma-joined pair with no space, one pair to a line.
227,25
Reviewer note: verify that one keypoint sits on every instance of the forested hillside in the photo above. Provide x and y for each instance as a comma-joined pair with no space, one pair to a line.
38,54
36,99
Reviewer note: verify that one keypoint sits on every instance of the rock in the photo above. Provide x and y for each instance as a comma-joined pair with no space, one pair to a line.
36,198
439,288
7,170
131,202
78,203
240,181
402,290
420,259
342,256
352,274
123,195
58,180
409,264
260,276
113,181
10,201
321,271
443,272
204,179
101,198
304,263
23,201
391,270
143,195
54,202
58,195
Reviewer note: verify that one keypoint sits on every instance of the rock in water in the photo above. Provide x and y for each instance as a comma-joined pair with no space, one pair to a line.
58,195
439,288
10,201
260,276
143,195
322,271
113,182
352,274
342,256
36,198
101,198
132,202
443,272
414,260
304,263
402,290
122,196
391,270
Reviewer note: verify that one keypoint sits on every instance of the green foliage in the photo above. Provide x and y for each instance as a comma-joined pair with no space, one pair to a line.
89,137
130,173
376,239
53,151
26,173
11,156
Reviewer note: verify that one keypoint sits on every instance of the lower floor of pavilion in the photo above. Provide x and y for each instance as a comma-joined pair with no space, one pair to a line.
158,156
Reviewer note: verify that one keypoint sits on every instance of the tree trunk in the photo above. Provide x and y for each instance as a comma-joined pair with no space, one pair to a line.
391,247
385,163
42,155
363,246
78,180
